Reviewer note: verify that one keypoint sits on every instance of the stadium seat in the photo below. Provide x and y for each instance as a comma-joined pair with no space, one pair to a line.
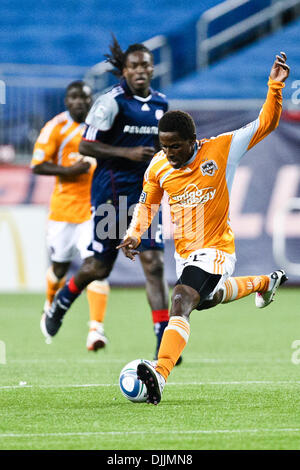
43,35
243,74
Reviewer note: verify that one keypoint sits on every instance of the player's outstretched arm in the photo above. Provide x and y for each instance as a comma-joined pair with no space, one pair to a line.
129,246
270,114
280,70
245,138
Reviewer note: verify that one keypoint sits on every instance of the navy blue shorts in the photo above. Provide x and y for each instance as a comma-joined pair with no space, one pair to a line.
111,219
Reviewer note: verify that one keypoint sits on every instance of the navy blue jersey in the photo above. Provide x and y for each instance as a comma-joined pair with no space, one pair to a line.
122,119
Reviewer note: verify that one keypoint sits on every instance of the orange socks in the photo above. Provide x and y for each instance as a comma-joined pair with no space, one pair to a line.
53,284
97,294
173,342
238,287
177,332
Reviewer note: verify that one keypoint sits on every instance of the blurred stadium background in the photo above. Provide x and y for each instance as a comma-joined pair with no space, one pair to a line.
212,60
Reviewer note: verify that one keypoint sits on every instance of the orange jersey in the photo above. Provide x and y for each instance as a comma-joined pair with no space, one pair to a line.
58,143
198,193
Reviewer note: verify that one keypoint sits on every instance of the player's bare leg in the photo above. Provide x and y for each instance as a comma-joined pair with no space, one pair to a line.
92,269
184,300
60,269
156,284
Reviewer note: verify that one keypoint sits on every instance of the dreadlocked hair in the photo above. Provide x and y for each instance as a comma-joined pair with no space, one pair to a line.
118,58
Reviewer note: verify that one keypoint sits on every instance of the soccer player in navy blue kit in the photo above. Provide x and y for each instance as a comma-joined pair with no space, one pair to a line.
122,134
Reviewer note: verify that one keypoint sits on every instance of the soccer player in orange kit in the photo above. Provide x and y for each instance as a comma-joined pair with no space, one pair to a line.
197,175
69,228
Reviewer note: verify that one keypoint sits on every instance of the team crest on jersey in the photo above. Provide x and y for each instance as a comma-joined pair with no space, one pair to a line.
209,168
159,114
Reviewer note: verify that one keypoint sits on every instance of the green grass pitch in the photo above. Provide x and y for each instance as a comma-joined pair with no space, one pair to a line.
237,387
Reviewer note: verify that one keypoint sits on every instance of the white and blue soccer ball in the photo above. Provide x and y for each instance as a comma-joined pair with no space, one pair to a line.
132,388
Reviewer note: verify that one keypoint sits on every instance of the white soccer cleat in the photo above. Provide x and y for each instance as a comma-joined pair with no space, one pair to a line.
277,278
96,338
153,380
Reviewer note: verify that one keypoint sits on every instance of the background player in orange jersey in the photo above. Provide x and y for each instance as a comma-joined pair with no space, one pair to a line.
69,230
197,175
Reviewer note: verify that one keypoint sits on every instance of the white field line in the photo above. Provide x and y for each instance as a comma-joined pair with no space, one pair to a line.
151,432
178,384
120,361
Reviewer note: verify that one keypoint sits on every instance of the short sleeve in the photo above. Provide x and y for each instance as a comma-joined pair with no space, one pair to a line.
45,148
103,112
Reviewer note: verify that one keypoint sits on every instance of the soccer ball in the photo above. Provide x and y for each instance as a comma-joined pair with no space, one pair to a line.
132,388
